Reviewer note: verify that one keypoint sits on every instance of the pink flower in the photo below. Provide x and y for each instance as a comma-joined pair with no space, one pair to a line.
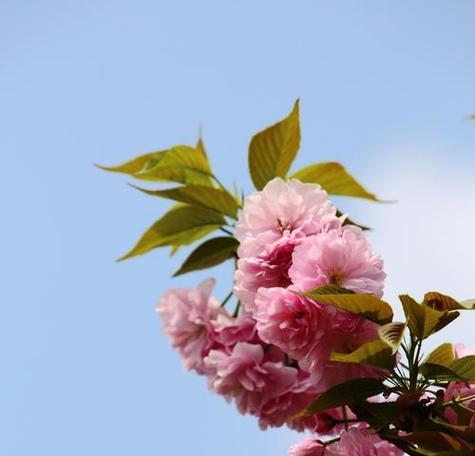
458,390
292,322
338,257
228,331
307,447
187,315
345,335
281,409
462,350
357,442
282,206
269,269
249,376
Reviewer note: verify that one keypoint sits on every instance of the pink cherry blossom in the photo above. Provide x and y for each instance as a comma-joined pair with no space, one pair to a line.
186,314
228,331
249,375
307,447
356,442
282,206
340,338
338,257
292,322
269,269
462,350
282,409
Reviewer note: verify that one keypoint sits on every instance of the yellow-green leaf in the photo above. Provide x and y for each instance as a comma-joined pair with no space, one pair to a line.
392,334
364,305
182,225
348,393
465,367
183,164
273,150
424,321
200,195
335,179
375,353
211,253
442,355
439,301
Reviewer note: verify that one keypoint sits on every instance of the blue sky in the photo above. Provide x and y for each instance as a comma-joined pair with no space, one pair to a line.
384,87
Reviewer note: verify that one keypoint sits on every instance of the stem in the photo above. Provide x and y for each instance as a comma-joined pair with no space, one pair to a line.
227,298
458,401
236,310
345,417
224,230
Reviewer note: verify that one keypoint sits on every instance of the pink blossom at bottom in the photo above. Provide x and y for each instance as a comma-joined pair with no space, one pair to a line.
355,442
457,390
249,376
307,447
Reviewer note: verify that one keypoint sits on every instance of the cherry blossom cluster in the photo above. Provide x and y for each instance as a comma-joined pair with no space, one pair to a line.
272,359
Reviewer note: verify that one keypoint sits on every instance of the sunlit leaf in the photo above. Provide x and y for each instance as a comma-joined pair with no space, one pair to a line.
424,321
375,353
364,305
183,164
348,393
273,150
210,253
199,195
443,355
439,301
335,179
465,367
182,225
392,334
439,372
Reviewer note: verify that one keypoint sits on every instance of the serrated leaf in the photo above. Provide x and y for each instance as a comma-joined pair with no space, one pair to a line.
182,225
183,164
443,355
439,372
392,334
199,195
272,151
335,179
375,353
424,321
465,367
441,302
364,305
211,253
348,393
434,441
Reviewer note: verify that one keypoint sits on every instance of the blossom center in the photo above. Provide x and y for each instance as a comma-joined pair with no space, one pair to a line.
335,277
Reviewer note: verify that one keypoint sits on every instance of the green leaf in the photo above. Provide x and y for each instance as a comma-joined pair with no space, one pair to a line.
273,150
348,221
392,334
199,195
375,353
183,164
335,179
443,355
465,367
348,393
364,305
434,441
424,321
439,372
210,253
182,225
441,302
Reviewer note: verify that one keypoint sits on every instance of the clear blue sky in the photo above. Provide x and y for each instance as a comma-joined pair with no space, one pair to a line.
85,369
